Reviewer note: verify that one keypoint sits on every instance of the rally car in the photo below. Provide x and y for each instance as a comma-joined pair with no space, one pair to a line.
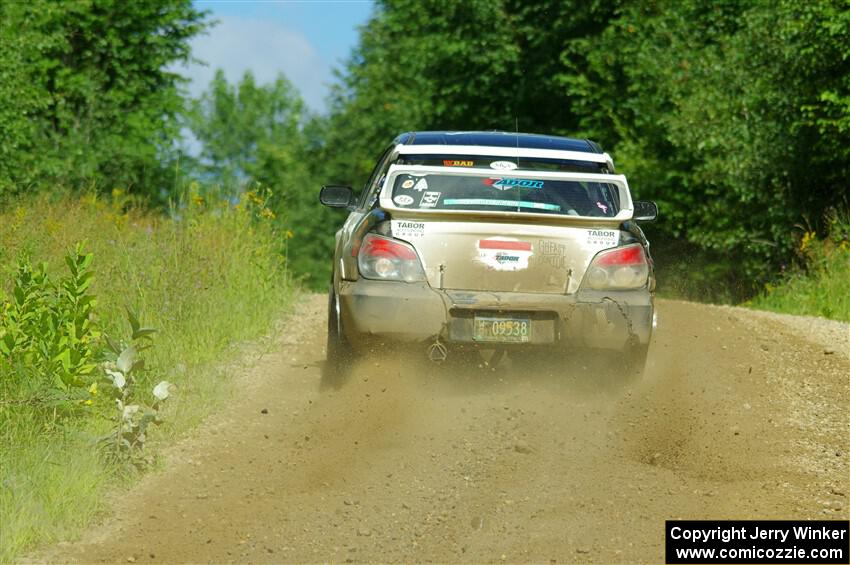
507,242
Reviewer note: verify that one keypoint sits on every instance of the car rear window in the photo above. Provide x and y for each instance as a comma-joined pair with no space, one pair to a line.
505,193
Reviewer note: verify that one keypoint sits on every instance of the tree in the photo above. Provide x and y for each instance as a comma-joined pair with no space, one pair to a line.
86,95
734,116
261,134
711,106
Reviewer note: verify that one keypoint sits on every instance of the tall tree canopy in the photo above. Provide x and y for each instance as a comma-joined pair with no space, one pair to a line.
85,90
734,115
260,137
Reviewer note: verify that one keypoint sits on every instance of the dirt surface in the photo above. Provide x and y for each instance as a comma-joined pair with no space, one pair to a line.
740,416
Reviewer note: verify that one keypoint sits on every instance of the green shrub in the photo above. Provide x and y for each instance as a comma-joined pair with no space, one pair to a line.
820,286
207,278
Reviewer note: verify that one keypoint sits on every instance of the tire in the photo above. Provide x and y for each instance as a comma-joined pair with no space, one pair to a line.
339,352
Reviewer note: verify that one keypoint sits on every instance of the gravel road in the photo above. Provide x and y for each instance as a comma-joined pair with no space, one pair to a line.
742,415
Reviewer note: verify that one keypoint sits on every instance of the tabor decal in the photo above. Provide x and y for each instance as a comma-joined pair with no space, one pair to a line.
603,238
405,229
507,184
504,255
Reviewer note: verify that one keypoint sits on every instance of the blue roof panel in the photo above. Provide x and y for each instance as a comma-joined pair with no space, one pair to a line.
498,139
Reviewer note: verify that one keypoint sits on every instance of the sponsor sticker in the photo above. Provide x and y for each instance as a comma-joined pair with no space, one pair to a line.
551,253
407,184
403,200
456,163
603,238
503,203
421,185
504,255
430,199
407,229
507,184
503,165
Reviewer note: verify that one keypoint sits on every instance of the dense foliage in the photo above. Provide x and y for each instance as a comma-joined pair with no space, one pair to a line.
734,116
86,96
261,137
207,283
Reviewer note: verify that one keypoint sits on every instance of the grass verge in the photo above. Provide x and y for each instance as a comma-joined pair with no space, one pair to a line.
209,277
821,287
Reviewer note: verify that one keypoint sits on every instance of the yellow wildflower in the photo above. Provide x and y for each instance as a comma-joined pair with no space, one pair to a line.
808,237
266,213
198,200
289,234
93,389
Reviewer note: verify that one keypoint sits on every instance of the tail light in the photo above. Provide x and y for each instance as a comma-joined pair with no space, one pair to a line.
618,269
388,259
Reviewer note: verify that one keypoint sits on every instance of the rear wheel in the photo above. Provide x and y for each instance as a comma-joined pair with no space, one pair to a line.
339,352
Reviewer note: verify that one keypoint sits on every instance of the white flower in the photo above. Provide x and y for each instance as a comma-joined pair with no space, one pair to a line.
117,378
161,391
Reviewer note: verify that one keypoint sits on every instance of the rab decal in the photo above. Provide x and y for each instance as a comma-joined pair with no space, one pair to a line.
454,163
430,199
504,255
407,230
421,185
407,184
503,165
403,200
507,184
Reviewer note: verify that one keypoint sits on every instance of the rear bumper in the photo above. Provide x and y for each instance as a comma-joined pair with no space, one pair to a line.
415,312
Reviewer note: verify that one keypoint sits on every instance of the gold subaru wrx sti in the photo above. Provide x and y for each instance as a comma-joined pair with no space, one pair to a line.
463,241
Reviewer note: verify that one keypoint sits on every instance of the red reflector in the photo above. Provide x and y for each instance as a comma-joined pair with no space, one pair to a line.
509,245
631,255
379,247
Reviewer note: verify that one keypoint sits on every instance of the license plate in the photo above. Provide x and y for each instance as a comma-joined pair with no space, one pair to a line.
502,329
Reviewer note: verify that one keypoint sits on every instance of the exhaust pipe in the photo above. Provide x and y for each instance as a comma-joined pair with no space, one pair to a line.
437,352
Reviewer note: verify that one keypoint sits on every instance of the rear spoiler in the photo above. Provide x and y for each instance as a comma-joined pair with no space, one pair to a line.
626,205
506,152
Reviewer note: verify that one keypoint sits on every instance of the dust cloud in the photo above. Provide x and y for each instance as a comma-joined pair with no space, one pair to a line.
540,458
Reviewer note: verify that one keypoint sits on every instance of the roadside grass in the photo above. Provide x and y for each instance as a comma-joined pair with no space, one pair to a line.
821,287
208,278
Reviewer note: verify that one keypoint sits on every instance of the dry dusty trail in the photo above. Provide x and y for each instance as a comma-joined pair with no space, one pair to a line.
741,416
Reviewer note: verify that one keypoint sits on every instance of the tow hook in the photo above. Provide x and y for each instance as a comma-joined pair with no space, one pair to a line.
437,352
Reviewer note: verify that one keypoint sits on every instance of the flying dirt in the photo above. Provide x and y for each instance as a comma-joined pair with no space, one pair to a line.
741,415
